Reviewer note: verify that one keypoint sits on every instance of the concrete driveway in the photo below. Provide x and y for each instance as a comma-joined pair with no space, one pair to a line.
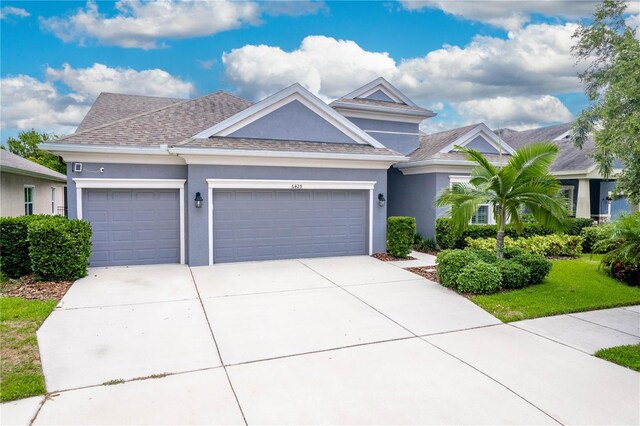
322,341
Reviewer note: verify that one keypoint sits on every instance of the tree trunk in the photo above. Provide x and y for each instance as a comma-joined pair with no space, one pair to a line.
500,239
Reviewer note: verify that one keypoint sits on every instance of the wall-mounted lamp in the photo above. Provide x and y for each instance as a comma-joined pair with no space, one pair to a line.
198,200
381,200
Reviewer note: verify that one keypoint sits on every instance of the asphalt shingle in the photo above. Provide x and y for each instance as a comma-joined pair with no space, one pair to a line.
10,162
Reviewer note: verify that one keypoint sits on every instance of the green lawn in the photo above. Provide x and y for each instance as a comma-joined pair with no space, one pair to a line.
21,372
572,286
627,356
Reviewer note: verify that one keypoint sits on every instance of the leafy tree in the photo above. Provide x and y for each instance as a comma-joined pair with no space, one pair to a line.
524,181
26,146
612,84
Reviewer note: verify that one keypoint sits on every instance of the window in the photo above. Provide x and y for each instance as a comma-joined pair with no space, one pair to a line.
29,197
482,216
567,193
53,200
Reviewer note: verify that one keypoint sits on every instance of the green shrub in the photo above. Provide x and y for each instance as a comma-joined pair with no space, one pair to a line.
479,278
577,224
511,252
538,266
546,245
59,249
14,245
400,234
484,255
622,242
514,274
449,263
423,244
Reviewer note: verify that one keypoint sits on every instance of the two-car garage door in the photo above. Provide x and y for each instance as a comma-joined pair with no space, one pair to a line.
251,224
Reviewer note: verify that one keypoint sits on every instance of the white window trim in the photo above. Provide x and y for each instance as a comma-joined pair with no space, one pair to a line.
571,190
491,220
86,183
287,184
54,200
33,198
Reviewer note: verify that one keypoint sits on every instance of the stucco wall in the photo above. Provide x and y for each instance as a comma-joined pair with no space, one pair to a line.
401,137
618,206
12,193
414,195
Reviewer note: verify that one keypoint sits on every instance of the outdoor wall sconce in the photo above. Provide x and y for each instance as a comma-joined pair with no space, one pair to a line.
198,200
381,200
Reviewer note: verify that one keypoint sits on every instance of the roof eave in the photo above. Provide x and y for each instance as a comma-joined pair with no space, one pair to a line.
382,109
18,171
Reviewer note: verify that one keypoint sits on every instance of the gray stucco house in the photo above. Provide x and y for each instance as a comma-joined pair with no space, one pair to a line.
221,179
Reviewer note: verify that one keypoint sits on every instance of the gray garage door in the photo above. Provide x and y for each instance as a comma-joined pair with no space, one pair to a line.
133,226
286,224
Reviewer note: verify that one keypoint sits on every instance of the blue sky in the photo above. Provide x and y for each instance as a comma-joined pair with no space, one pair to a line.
507,64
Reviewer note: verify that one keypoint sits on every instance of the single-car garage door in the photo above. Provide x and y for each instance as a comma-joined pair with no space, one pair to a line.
133,226
285,224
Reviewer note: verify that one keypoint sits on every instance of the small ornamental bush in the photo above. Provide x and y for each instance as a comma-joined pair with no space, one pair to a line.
423,244
546,245
538,266
484,255
511,252
577,224
514,275
59,249
479,278
400,235
449,263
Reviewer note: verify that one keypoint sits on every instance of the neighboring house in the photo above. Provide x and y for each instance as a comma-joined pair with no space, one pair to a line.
221,179
29,188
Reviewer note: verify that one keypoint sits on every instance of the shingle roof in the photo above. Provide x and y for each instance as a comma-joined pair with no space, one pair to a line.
110,107
229,143
431,144
374,102
168,125
569,157
12,163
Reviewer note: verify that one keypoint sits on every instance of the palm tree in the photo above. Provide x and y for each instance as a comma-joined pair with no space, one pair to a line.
524,181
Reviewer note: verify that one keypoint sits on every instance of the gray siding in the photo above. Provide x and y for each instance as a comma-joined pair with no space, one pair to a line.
618,206
385,125
401,137
402,143
379,95
293,121
198,242
480,144
414,195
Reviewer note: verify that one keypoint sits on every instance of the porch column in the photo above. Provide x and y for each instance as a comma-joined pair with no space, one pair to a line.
583,206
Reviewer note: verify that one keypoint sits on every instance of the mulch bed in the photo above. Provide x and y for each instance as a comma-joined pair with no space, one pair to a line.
28,288
386,257
429,272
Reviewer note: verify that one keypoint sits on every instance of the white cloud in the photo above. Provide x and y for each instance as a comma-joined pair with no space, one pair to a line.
518,112
144,24
8,11
530,64
633,21
507,14
31,103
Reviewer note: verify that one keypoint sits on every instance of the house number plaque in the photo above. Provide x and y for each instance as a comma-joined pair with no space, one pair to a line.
296,186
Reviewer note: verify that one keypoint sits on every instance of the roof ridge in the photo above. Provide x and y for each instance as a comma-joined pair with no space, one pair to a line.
131,117
142,96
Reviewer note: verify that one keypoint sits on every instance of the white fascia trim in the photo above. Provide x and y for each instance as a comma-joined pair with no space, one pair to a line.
437,166
106,149
379,115
490,137
562,136
129,183
191,152
273,102
392,133
84,183
289,184
382,109
380,83
112,154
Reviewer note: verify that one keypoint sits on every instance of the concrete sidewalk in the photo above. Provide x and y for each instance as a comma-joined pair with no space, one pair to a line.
315,341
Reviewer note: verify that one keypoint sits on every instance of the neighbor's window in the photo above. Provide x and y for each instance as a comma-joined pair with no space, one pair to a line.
482,216
29,192
53,200
567,193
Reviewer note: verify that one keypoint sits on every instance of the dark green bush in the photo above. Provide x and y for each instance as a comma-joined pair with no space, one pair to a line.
484,255
59,249
423,244
514,275
511,252
577,224
400,233
479,278
14,245
597,234
449,263
538,266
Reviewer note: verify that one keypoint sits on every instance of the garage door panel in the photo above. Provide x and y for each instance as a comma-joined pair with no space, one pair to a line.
278,224
133,226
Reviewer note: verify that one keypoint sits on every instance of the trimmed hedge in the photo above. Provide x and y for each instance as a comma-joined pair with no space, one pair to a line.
472,271
400,235
546,245
50,247
446,239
